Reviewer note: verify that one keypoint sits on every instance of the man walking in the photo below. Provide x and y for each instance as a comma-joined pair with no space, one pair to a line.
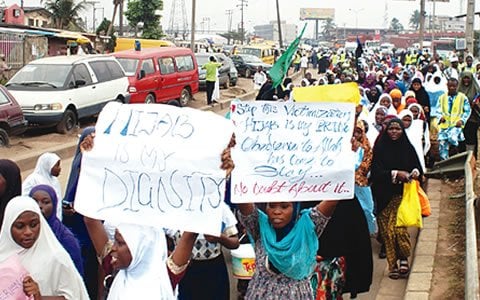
211,76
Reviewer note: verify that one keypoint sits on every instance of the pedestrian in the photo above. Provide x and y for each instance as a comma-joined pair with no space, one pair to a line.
296,61
414,132
304,64
453,110
10,184
46,172
51,272
394,163
422,96
469,87
397,102
47,200
3,69
259,78
211,77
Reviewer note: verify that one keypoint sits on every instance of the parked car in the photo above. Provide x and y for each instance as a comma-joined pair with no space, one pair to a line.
223,71
247,64
12,121
233,74
59,90
160,75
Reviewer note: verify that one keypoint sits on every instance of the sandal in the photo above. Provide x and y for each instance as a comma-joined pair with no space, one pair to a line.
394,274
404,268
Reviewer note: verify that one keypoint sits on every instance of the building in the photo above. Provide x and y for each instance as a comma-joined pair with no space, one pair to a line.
31,16
270,31
445,24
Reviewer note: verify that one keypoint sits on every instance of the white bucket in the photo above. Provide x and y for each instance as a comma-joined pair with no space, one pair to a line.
243,261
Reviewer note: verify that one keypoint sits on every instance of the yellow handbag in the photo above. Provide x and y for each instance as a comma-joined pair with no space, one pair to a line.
410,212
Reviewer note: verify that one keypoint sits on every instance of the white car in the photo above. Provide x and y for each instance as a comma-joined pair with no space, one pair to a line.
59,90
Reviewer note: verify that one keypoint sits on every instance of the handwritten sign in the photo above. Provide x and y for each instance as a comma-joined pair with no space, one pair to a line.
290,151
156,165
12,274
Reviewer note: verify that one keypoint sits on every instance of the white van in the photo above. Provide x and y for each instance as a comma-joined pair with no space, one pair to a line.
59,90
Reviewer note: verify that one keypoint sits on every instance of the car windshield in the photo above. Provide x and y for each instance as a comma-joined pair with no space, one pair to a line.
251,59
37,75
252,51
202,59
129,65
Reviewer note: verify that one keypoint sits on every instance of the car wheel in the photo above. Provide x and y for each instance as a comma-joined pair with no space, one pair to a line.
68,122
174,103
120,100
185,97
4,139
150,99
248,73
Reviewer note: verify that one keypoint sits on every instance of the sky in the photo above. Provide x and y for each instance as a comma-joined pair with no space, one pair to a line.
364,13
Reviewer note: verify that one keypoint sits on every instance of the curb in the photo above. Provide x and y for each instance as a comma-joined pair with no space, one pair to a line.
420,279
28,161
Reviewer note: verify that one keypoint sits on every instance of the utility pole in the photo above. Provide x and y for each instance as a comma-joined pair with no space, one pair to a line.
120,12
229,13
469,35
422,23
279,23
242,4
192,33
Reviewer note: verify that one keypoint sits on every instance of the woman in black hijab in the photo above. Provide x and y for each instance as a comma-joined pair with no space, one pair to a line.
394,163
422,96
10,184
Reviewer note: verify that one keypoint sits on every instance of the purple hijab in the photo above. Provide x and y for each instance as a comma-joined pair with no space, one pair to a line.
370,81
63,234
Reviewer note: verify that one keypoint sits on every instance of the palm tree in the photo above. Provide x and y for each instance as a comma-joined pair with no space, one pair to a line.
116,5
415,19
396,26
65,13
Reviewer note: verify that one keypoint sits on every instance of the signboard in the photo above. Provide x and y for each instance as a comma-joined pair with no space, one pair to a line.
317,13
460,44
288,151
156,165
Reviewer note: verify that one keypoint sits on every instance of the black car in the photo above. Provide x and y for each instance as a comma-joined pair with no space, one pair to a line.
223,71
247,64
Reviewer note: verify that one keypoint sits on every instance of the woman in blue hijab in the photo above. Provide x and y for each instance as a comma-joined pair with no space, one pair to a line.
46,198
74,221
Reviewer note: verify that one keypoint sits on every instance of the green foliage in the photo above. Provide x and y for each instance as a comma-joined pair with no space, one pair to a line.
328,29
65,13
396,26
102,30
144,11
415,20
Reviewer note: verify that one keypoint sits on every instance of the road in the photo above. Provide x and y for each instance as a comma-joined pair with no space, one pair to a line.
382,287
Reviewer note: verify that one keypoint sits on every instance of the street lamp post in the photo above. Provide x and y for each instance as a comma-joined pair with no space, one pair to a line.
356,11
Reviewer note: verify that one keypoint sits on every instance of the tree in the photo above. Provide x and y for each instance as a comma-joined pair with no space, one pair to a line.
328,29
102,29
65,13
415,20
396,26
145,11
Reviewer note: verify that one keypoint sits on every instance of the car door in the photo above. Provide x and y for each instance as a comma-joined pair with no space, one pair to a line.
82,90
149,83
239,64
167,83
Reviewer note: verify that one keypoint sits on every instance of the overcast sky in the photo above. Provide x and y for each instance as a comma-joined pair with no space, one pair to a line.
368,13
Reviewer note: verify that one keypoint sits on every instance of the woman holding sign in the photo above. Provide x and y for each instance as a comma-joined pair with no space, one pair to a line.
394,163
26,233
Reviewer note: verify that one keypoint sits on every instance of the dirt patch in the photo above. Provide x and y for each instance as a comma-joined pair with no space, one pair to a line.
448,270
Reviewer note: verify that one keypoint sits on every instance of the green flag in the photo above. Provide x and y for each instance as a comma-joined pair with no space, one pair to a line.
280,68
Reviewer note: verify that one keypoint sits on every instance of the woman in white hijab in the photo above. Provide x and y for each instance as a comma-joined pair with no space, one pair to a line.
46,172
26,233
414,131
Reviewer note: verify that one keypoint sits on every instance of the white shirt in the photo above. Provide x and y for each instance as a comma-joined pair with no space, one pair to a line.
259,79
304,62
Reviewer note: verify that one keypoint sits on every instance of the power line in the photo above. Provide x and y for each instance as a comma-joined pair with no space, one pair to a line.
242,5
229,13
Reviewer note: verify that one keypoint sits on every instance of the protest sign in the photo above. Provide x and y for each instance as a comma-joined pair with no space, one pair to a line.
156,165
12,274
289,151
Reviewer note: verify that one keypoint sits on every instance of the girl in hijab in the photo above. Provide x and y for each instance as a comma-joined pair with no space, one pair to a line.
422,96
389,85
10,183
468,85
370,81
46,172
386,101
419,121
414,134
375,124
373,94
144,266
75,222
394,163
26,233
435,87
47,200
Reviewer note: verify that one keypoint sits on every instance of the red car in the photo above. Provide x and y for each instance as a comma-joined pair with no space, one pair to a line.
160,75
12,121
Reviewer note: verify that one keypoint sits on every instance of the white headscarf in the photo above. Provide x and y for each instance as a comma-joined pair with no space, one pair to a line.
422,125
146,277
415,135
43,175
47,261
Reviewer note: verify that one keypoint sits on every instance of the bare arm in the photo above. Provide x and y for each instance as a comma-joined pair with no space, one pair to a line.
97,233
183,251
327,207
229,242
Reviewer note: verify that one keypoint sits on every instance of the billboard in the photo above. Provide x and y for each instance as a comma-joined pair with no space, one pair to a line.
317,13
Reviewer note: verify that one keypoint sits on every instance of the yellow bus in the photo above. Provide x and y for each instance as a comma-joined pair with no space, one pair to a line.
129,43
264,52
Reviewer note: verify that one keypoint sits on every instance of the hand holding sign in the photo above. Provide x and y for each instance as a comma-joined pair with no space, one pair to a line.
30,288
